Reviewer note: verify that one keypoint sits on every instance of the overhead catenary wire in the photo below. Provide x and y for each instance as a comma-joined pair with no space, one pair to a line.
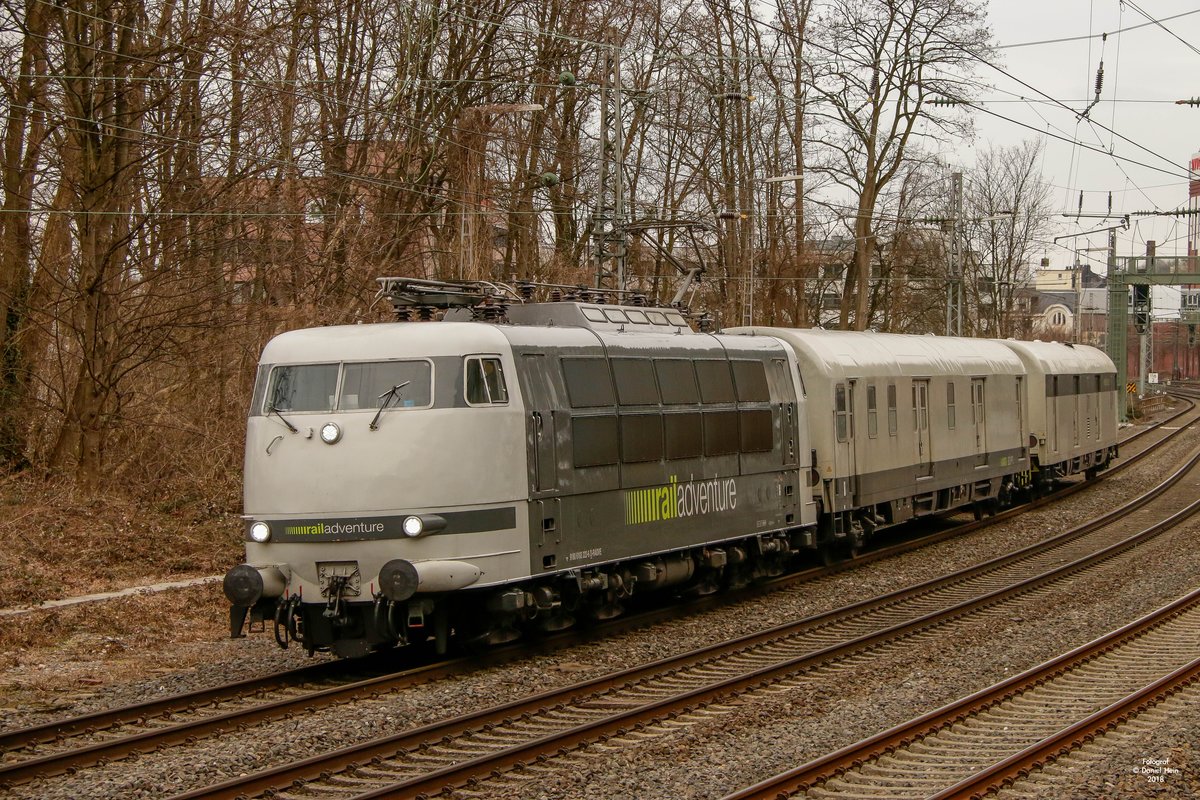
358,177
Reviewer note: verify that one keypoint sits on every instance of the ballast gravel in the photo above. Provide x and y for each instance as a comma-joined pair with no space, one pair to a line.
730,746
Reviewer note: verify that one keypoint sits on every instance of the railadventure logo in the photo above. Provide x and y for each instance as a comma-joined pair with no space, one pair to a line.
676,500
334,529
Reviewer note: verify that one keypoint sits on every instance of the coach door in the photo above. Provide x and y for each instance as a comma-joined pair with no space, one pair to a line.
843,423
924,461
977,414
1052,386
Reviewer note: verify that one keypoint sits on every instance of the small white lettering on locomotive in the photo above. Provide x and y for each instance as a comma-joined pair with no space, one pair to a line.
584,555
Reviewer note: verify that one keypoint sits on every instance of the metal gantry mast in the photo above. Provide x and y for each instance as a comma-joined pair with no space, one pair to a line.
609,233
954,288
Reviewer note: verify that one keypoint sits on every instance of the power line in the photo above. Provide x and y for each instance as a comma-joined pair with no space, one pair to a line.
1095,35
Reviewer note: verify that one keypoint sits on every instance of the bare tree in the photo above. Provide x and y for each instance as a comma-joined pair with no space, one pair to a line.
881,61
1006,205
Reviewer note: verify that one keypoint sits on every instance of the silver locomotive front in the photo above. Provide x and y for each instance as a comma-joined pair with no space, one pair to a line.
363,445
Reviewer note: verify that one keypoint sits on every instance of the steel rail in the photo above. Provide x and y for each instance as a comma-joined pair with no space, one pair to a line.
351,759
236,719
851,757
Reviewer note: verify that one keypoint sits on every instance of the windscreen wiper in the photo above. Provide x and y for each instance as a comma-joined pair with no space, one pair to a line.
386,397
271,409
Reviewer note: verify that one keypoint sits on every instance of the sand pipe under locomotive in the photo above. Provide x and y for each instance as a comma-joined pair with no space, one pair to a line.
520,466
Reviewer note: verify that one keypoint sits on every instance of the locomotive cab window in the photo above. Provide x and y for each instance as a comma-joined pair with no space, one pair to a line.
485,384
399,384
349,387
302,387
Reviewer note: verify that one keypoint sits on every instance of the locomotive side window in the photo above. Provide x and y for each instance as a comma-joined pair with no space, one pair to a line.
683,435
751,380
588,383
485,382
756,430
951,418
641,438
678,381
721,433
302,387
635,381
594,440
716,385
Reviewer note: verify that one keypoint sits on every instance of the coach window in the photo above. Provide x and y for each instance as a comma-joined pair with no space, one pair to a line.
977,401
841,413
485,382
872,413
951,418
891,398
588,382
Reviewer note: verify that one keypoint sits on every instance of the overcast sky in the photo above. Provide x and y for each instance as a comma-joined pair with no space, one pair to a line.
1145,71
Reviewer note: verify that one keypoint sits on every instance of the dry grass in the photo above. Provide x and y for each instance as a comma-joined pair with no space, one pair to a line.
60,543
139,628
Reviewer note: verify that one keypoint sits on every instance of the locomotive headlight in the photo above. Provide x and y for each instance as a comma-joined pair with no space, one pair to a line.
419,525
330,433
260,531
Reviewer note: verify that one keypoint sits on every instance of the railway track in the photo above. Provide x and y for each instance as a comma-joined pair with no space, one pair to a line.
986,742
105,736
462,755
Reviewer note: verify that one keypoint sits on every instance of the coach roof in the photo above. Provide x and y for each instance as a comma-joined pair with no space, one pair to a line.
862,353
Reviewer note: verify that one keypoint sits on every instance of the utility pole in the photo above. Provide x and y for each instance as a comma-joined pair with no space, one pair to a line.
954,293
609,230
1144,322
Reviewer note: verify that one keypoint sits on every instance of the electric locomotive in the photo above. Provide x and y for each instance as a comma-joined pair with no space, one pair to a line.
406,481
